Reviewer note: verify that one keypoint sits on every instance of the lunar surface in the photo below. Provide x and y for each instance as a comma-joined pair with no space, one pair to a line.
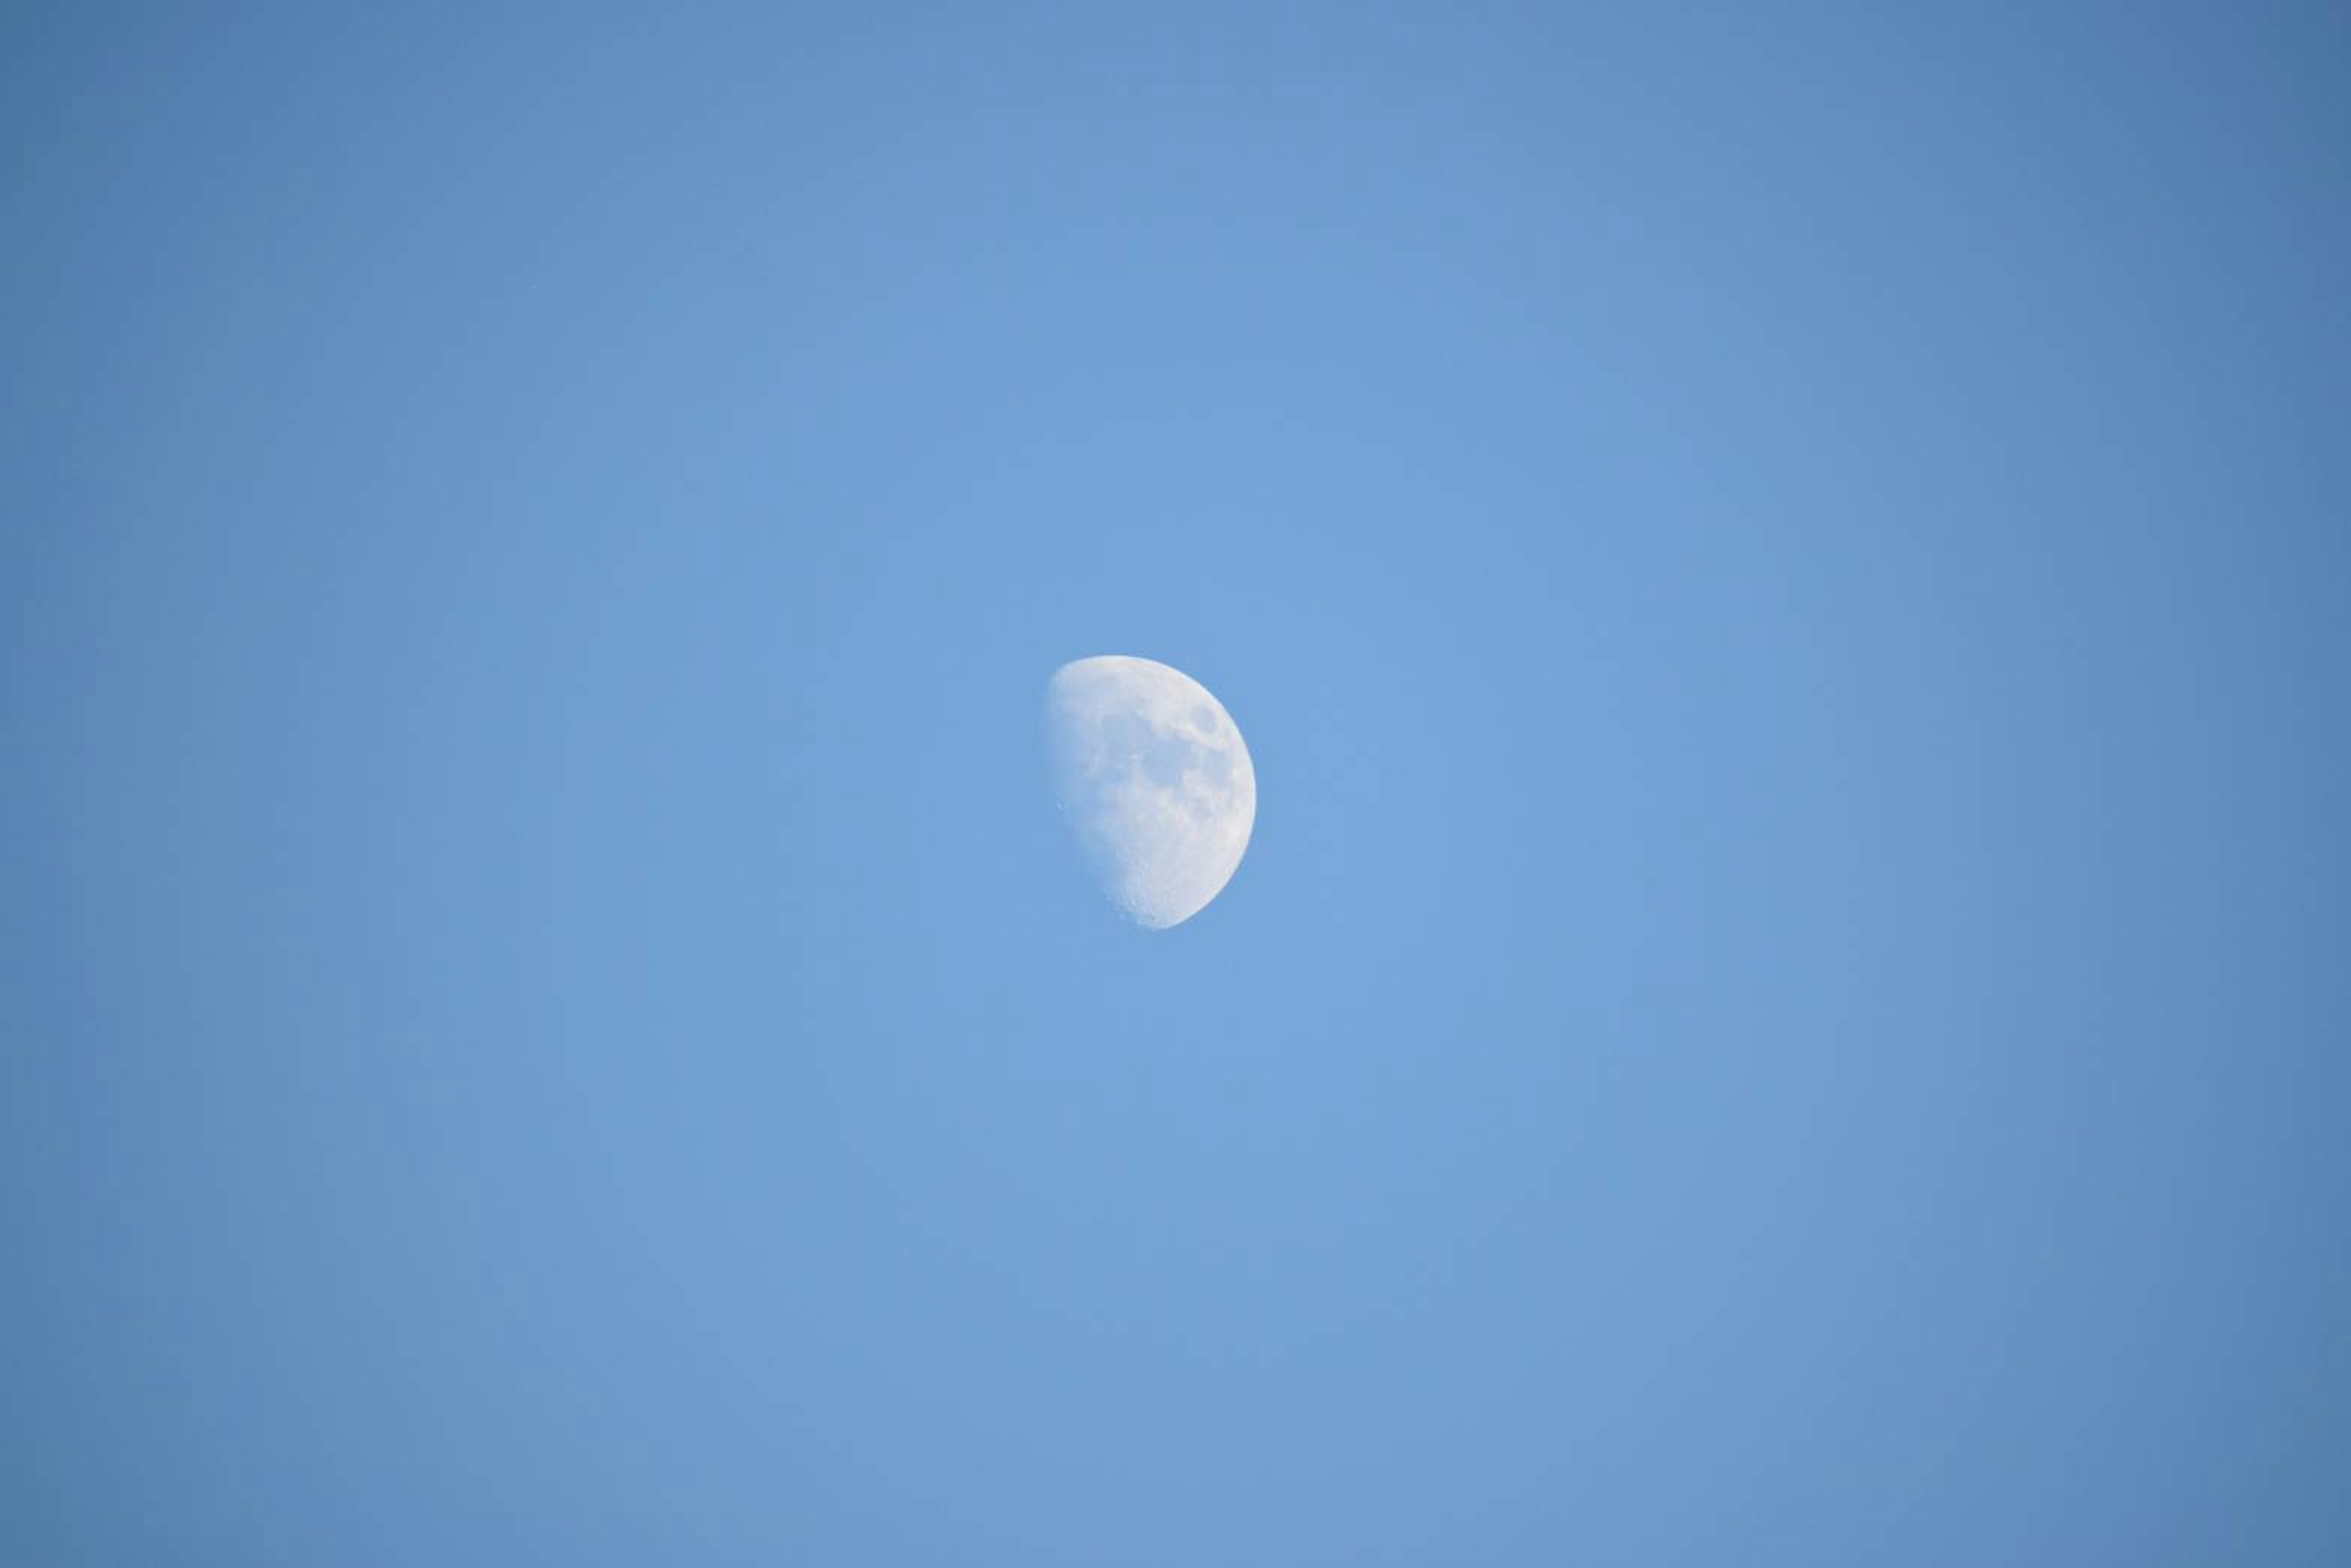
1152,778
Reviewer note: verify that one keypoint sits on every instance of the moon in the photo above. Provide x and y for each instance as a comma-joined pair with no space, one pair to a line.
1153,778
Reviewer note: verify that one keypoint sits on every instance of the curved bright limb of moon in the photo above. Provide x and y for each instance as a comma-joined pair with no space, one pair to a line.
1153,778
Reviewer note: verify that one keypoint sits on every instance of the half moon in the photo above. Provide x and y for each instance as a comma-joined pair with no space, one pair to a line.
1154,779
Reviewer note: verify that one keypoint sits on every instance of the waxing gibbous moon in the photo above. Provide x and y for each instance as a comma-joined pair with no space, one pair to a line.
1154,779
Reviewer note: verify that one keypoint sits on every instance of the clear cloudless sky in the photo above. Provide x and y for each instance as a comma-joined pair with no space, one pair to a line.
1785,573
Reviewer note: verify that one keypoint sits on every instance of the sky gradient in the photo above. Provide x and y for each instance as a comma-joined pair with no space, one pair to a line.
1785,582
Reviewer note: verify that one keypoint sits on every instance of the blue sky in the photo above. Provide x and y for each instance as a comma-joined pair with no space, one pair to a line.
1784,581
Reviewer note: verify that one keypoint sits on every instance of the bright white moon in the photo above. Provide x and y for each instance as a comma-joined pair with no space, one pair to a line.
1151,774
